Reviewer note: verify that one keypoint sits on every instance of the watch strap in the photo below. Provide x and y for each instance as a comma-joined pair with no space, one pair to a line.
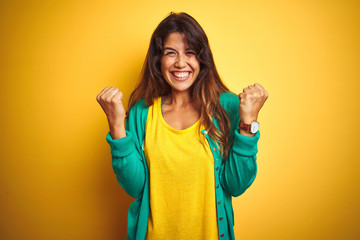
244,126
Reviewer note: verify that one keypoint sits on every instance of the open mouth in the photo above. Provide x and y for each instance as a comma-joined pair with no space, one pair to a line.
181,76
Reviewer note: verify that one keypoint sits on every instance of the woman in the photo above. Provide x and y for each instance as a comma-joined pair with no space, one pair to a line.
189,144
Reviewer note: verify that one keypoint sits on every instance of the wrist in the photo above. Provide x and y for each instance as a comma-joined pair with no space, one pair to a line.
116,123
117,131
251,128
248,119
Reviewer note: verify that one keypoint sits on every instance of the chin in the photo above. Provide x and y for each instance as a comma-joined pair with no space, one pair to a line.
181,87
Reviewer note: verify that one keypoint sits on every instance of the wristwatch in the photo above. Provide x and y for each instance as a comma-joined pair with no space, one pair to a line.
251,128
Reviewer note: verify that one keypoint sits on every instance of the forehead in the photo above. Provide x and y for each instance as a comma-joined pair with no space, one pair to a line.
176,40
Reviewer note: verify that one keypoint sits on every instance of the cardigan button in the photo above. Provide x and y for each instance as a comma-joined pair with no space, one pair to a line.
222,235
219,202
221,218
217,186
217,168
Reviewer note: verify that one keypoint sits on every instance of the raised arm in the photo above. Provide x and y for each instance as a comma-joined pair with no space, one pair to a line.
125,149
239,170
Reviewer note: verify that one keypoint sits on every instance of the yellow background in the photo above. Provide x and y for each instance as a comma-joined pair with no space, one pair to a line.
56,180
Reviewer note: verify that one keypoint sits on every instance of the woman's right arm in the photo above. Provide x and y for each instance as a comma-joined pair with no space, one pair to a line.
126,160
127,164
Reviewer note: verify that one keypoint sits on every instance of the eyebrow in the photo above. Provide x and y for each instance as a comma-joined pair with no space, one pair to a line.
169,48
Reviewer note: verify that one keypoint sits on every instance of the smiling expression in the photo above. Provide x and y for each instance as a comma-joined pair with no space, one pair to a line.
179,64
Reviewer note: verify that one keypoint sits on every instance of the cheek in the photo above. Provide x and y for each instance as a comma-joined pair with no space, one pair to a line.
196,66
162,67
165,65
195,63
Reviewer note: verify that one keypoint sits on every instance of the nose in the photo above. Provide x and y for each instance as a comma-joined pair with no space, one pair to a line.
180,61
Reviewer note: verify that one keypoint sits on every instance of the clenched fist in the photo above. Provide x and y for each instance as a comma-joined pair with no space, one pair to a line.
251,100
110,100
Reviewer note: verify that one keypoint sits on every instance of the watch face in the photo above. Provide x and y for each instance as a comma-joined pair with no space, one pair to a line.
254,127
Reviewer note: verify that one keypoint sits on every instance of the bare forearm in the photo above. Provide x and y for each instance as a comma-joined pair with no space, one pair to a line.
117,131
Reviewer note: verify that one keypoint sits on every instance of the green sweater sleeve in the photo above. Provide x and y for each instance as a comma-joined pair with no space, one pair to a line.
127,156
126,163
239,170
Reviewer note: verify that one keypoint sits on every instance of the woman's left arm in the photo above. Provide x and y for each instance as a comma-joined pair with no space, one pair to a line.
239,170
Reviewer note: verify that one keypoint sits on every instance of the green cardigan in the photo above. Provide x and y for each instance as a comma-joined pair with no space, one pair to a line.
232,177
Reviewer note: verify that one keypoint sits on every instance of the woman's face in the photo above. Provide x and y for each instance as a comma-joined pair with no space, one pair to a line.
179,64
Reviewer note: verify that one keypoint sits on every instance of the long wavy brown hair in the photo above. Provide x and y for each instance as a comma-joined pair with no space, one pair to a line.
205,91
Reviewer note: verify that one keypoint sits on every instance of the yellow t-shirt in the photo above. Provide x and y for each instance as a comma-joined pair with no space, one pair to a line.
182,192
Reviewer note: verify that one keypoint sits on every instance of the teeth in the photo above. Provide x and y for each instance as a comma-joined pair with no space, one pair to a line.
181,74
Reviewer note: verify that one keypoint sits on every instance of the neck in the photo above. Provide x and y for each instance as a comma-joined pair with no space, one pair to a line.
178,99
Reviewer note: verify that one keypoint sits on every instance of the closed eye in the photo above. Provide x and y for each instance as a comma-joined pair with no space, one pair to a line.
170,53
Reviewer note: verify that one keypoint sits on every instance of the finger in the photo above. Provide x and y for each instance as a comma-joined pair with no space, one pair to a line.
259,89
243,96
111,94
118,96
247,90
253,88
105,94
259,86
258,92
107,90
101,93
262,89
110,91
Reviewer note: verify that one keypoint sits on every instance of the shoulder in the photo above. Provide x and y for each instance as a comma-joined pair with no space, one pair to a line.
138,109
228,96
229,101
136,122
138,112
140,105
